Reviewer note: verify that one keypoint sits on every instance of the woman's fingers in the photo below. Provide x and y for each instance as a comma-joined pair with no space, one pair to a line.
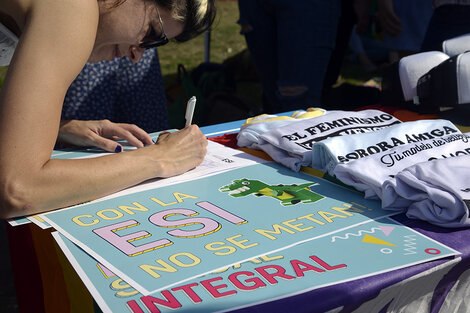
135,135
102,134
104,143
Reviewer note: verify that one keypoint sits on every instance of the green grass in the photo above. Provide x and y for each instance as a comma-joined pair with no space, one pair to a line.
226,41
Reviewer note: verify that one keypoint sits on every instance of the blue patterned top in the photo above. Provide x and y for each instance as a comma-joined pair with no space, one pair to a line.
120,91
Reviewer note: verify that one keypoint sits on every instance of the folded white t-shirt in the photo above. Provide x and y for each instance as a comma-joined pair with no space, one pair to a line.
436,191
253,127
332,151
291,145
369,173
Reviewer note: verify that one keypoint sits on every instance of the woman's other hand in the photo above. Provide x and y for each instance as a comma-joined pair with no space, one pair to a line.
102,134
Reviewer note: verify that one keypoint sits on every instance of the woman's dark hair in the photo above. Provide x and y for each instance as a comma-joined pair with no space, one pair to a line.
197,16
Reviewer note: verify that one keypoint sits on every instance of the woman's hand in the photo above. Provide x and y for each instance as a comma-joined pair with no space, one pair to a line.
180,151
102,134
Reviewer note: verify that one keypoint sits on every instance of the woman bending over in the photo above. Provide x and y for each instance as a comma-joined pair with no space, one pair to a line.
46,43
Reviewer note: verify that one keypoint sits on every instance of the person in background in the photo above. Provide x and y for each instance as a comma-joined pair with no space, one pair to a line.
404,25
349,16
46,44
359,53
291,43
365,45
451,18
336,95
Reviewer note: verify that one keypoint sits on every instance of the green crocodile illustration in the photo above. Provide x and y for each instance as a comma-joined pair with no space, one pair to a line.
287,194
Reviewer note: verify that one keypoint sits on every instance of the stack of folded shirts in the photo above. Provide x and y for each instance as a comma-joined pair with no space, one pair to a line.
420,167
291,145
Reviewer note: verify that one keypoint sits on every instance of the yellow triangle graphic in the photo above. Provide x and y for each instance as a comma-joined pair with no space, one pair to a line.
372,239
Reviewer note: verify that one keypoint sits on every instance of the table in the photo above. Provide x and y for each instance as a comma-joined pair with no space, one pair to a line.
46,282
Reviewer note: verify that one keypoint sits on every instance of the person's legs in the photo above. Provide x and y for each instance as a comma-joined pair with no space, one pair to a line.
306,38
258,25
346,23
290,43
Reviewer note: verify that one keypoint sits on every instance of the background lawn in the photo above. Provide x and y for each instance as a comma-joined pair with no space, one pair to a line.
227,46
226,42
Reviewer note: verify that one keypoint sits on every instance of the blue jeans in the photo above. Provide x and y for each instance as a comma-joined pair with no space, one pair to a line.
120,91
290,42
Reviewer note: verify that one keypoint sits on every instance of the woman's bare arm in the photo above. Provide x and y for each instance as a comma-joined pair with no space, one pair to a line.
54,46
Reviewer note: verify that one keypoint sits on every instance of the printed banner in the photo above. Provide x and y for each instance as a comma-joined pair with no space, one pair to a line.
162,237
365,250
